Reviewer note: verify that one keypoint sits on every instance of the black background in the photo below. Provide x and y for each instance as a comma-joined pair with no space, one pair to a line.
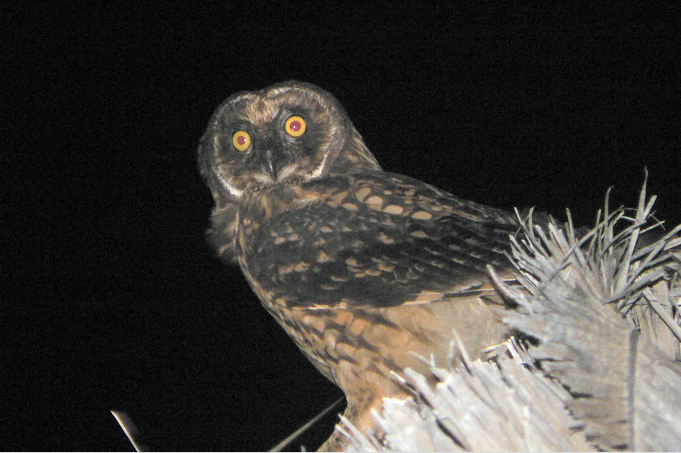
111,298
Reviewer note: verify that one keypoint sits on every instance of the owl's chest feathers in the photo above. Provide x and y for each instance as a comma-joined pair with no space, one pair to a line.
277,210
265,208
268,218
267,204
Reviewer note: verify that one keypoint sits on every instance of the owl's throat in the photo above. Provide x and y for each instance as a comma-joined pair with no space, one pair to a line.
273,199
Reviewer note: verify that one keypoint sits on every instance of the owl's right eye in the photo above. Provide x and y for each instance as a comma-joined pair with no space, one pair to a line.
241,140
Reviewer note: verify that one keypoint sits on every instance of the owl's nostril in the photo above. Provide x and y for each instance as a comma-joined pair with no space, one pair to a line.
270,165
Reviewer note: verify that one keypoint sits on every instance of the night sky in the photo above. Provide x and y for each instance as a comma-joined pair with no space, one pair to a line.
111,296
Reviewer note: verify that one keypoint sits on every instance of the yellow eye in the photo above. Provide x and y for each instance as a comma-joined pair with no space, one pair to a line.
241,140
295,126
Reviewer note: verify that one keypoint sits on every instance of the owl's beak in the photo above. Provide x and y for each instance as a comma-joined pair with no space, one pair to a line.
270,164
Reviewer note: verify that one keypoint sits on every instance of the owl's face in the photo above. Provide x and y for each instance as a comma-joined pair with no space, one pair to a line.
284,134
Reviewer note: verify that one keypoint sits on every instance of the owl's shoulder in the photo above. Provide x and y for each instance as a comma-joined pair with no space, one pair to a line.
374,200
402,196
372,193
370,239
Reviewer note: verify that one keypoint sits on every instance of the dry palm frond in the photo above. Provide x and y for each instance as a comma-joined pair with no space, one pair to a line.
605,311
502,405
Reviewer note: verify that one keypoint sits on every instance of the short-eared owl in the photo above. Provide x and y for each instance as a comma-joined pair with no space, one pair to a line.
361,267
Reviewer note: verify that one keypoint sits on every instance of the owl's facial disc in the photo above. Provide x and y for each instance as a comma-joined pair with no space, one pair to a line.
269,140
284,134
254,156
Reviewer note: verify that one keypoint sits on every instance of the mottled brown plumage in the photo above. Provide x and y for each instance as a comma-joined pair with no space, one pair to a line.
361,267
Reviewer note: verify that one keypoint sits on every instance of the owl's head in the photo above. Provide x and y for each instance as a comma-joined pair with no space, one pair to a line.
287,133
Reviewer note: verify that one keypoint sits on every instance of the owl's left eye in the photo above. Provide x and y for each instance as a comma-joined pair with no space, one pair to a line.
295,126
241,140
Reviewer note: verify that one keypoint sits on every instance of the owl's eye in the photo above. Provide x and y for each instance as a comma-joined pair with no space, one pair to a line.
295,126
241,140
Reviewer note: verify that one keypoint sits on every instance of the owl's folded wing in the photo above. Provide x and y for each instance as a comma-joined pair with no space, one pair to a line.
379,240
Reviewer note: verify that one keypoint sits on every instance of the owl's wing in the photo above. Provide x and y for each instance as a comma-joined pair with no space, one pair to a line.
378,239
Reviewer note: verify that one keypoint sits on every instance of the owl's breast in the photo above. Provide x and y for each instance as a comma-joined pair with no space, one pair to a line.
278,237
282,239
362,275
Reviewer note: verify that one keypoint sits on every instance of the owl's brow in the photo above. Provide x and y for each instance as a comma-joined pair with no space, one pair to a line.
242,96
296,89
282,89
260,111
247,110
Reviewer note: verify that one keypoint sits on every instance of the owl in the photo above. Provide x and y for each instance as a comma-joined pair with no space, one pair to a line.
364,269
